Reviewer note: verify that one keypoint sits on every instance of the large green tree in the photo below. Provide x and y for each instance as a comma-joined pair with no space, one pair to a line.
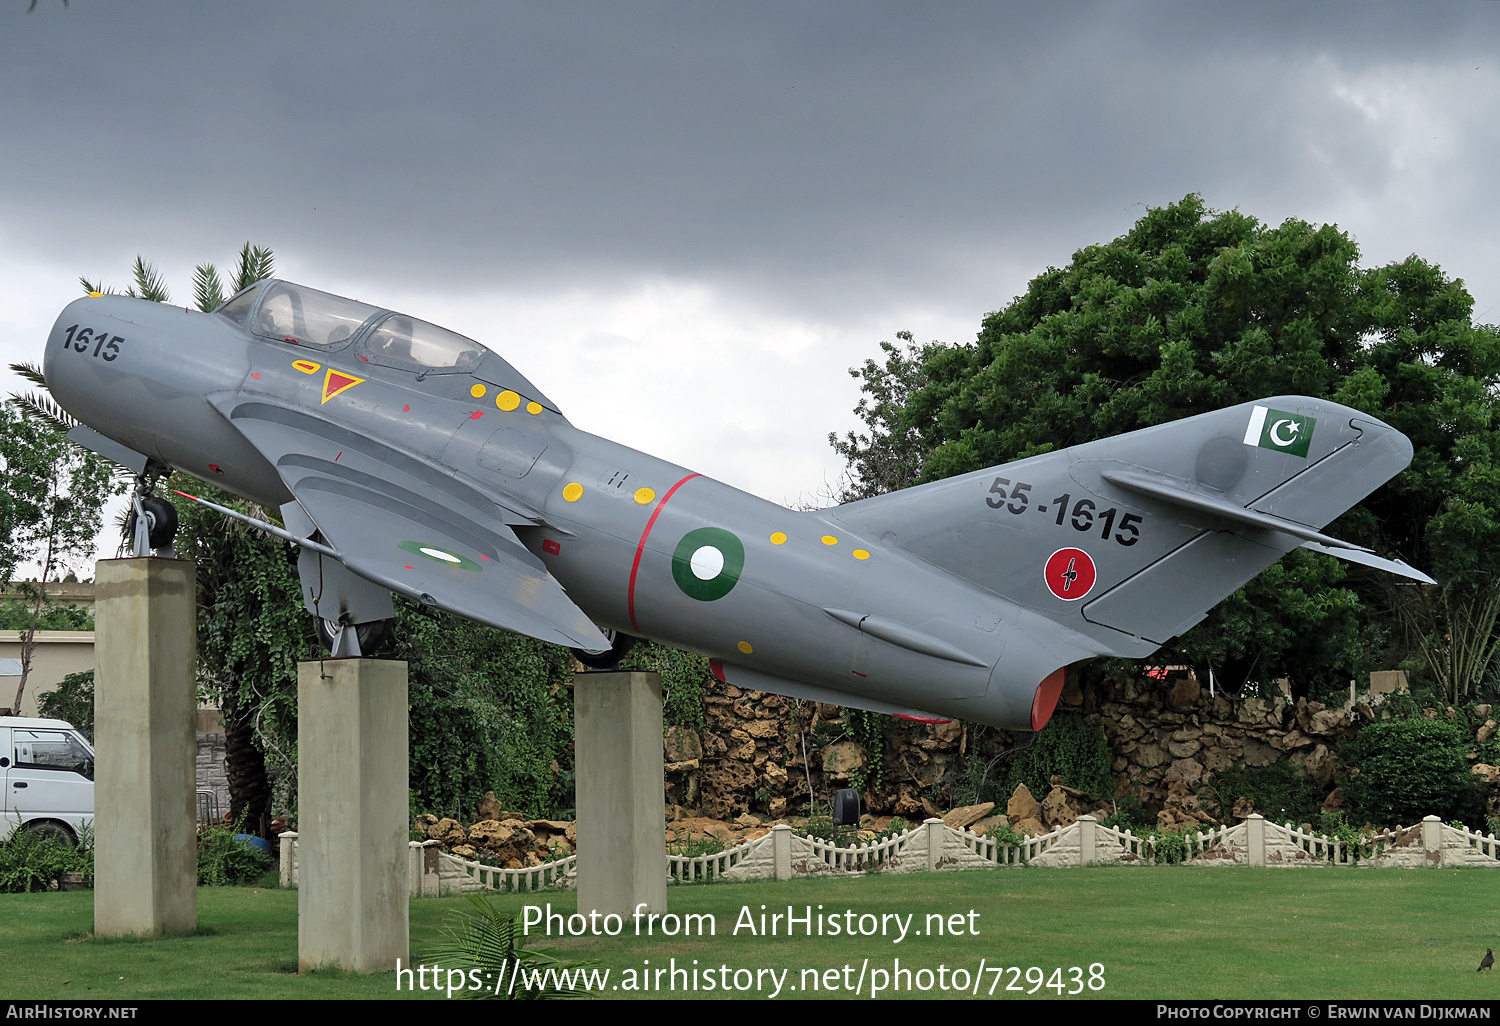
50,508
1193,310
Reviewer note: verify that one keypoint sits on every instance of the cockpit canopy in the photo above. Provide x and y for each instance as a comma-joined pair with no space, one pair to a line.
404,341
297,314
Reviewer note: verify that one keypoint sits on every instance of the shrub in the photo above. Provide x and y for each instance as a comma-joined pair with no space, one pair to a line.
1278,791
1069,746
1411,768
224,860
1130,815
1171,847
34,861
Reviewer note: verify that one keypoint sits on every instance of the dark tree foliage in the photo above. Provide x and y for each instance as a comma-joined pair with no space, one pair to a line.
1068,747
252,630
73,701
489,711
1193,310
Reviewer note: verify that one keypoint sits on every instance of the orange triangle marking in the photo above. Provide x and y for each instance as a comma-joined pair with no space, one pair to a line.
335,382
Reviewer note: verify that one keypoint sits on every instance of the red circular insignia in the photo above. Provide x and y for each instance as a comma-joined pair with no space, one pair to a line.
1070,574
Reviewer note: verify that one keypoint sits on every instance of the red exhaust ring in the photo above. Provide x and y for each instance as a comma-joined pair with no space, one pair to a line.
1044,702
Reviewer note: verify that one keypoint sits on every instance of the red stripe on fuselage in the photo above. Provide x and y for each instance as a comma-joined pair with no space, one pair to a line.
640,548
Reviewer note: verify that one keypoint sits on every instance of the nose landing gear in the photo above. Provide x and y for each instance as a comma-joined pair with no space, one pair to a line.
153,520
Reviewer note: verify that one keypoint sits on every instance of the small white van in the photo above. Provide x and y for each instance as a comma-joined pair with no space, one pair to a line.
47,769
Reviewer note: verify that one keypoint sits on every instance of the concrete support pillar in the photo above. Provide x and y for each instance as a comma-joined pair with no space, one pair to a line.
352,872
622,834
146,746
1255,839
781,850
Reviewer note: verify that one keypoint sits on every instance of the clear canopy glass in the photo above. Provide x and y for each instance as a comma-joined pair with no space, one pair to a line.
404,341
295,313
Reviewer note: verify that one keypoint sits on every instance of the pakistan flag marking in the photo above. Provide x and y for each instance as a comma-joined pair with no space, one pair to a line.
707,563
1279,430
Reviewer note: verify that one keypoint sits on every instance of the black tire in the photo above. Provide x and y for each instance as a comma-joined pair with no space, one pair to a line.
620,643
374,635
161,521
47,829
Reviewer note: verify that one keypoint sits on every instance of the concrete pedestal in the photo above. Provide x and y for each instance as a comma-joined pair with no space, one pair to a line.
352,809
622,836
145,741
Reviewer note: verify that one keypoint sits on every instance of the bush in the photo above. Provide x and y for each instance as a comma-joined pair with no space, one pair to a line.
1130,815
1278,791
224,860
1411,768
1069,747
34,861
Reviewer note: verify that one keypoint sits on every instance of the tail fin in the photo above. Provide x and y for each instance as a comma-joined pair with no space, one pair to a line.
1133,539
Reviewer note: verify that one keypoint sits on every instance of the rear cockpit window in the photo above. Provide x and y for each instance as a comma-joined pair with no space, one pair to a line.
402,341
294,313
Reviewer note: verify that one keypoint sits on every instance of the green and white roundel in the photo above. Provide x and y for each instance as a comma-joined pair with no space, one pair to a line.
707,563
440,555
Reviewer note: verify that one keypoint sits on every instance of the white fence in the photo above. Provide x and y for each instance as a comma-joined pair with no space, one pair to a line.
931,846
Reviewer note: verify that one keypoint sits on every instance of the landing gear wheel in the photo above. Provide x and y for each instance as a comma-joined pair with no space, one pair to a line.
373,635
161,521
620,644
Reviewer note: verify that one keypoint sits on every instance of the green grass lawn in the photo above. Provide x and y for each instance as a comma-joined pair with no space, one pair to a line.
1168,932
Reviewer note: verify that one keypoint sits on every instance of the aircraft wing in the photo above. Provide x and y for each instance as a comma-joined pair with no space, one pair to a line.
410,526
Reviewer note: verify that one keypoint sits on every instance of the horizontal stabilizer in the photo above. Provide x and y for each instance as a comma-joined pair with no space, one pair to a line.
1394,566
1164,490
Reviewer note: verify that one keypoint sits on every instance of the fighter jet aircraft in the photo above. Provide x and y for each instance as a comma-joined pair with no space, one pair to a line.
407,458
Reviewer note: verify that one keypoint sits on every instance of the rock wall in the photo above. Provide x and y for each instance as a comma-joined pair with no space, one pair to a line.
1167,739
1170,739
757,753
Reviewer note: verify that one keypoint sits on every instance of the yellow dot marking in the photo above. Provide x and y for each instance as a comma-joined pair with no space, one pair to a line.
573,492
306,366
96,295
533,408
861,554
829,539
745,647
507,400
778,538
644,495
477,391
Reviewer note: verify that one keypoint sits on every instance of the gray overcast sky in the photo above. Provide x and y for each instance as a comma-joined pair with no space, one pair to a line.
684,221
